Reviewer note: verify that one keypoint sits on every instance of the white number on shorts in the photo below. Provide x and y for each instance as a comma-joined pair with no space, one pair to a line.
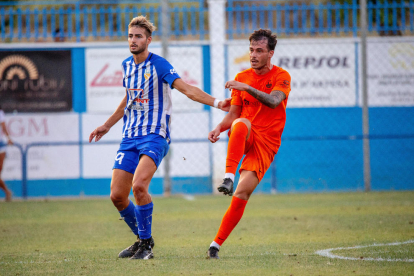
119,157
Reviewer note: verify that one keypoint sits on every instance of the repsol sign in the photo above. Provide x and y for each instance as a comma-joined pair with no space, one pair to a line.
311,62
35,81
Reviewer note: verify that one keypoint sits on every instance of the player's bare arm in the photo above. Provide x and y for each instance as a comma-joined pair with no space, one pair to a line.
196,94
100,131
271,100
225,124
4,128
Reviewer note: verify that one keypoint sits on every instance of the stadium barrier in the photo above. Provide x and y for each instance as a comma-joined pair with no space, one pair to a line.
274,181
78,21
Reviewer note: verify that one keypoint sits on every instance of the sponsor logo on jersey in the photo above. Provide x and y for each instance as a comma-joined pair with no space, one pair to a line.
285,83
144,101
135,103
248,103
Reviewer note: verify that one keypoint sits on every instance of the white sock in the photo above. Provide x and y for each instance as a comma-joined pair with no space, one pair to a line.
214,244
229,175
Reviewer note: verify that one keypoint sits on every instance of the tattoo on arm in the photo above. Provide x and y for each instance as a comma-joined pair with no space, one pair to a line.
271,100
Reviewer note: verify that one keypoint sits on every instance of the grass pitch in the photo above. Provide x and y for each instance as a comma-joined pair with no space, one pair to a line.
278,235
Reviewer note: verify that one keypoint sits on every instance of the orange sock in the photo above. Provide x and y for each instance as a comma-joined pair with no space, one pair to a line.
235,148
230,219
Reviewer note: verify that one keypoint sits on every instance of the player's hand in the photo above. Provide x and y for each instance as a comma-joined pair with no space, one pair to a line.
236,85
9,142
213,136
225,105
98,133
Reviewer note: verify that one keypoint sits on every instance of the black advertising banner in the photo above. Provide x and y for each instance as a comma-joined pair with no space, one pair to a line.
35,81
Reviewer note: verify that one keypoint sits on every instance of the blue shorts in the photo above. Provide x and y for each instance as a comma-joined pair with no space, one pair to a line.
2,147
131,149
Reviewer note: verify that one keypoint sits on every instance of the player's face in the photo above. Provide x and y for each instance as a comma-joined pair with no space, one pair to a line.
259,53
138,40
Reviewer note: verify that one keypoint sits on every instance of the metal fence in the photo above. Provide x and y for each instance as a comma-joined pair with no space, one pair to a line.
387,18
108,20
88,20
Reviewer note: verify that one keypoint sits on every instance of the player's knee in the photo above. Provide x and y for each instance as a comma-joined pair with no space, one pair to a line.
117,198
244,121
245,195
139,189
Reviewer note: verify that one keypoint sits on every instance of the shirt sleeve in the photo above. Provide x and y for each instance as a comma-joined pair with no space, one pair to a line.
236,95
283,83
167,72
2,119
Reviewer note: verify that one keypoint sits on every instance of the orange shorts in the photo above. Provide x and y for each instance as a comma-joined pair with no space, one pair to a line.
258,156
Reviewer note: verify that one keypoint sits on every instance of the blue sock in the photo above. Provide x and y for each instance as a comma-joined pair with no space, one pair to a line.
129,217
144,218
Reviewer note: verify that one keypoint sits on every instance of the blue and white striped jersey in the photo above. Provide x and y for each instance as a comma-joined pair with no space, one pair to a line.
149,106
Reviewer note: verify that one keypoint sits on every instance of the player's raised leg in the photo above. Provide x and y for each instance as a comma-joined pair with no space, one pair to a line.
240,132
248,182
143,211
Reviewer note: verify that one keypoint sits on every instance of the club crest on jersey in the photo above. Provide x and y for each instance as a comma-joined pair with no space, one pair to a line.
147,74
269,84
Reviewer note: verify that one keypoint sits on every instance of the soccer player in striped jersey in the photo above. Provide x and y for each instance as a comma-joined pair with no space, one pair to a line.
146,112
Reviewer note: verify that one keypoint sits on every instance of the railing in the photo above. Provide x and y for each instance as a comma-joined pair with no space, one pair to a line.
108,20
90,21
388,18
24,149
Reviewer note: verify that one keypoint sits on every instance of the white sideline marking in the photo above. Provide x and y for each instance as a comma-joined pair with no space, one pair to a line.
327,253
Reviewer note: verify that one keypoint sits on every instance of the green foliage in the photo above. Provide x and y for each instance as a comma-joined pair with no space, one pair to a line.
278,235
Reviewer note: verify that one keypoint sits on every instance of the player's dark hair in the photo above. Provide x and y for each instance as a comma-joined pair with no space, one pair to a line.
265,34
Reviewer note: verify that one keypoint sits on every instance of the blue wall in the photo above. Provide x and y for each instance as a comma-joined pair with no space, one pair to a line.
335,162
321,151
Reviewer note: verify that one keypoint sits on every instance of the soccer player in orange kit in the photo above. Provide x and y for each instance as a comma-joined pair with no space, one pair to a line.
257,118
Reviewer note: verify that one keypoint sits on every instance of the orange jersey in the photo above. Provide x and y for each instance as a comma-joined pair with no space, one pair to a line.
266,122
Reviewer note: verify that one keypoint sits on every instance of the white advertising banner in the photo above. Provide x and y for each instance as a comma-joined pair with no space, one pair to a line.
43,127
104,89
92,121
53,162
390,73
98,158
322,71
104,76
43,162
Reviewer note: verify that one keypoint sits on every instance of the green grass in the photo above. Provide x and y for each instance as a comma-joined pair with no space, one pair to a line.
278,235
